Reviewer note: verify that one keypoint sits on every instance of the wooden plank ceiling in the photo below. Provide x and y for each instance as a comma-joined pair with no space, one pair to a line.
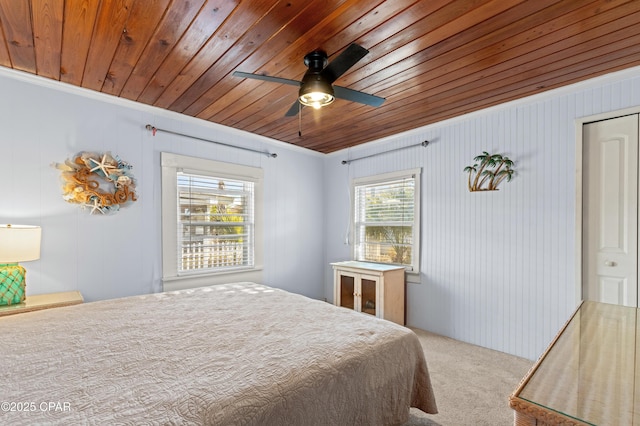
430,59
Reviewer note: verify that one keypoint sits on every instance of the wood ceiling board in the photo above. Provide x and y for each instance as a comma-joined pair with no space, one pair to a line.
47,35
143,21
18,32
77,34
110,25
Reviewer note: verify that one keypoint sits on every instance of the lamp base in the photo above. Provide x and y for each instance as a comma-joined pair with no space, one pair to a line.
12,283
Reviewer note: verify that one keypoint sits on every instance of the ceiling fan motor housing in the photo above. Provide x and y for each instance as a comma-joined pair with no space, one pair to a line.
315,90
316,60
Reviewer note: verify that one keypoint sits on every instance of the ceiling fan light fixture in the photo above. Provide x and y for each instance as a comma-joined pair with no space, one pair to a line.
316,99
315,92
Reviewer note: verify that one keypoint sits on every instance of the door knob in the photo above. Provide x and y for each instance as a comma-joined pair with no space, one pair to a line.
609,263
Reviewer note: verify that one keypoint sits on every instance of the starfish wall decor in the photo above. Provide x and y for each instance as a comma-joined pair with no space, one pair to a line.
99,182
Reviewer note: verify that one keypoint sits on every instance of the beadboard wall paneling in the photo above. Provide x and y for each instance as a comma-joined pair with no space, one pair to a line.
113,256
498,268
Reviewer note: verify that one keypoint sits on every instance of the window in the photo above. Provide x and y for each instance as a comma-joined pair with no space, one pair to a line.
386,219
211,221
215,223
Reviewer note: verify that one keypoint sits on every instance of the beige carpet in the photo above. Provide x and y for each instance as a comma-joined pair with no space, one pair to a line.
472,384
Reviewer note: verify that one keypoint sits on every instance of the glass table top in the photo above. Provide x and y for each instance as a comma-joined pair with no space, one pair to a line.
589,374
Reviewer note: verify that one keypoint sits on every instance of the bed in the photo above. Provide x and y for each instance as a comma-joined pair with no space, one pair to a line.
233,354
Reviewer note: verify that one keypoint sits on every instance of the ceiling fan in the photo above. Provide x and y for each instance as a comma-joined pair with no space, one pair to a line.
316,89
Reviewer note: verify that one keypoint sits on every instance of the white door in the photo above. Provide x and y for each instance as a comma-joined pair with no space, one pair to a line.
610,211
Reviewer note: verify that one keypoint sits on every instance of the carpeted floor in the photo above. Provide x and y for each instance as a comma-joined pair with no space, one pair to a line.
472,384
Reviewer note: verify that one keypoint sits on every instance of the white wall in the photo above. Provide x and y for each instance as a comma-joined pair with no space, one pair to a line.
498,268
43,122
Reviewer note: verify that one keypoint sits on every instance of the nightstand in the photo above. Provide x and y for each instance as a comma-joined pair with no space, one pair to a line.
43,301
372,288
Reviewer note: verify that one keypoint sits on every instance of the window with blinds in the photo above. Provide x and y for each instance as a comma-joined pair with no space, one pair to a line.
212,222
215,223
386,219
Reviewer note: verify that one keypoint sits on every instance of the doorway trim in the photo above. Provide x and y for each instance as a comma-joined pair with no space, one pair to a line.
579,123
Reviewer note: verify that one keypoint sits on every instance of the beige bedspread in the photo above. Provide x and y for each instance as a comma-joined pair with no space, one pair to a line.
236,354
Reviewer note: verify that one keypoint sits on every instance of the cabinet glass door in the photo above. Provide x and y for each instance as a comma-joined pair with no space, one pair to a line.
347,290
368,292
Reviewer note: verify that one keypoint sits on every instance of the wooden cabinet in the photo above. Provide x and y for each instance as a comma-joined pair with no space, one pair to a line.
372,288
43,301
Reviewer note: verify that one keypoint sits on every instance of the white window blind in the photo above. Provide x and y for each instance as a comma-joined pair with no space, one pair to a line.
215,223
386,219
212,222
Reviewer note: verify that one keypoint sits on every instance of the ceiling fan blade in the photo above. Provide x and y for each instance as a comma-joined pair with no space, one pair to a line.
294,109
343,62
266,78
355,96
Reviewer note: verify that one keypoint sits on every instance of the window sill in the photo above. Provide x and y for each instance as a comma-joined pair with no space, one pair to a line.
202,280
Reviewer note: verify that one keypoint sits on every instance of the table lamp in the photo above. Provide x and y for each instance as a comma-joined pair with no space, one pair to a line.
18,243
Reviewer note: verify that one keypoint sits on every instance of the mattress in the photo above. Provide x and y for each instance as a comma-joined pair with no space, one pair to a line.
233,354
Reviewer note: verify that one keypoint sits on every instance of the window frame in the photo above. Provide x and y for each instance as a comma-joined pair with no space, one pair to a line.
414,269
171,164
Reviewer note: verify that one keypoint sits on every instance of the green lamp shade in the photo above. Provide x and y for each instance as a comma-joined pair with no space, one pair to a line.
12,283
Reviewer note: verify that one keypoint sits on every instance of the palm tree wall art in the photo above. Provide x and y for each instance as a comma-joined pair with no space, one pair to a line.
488,171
